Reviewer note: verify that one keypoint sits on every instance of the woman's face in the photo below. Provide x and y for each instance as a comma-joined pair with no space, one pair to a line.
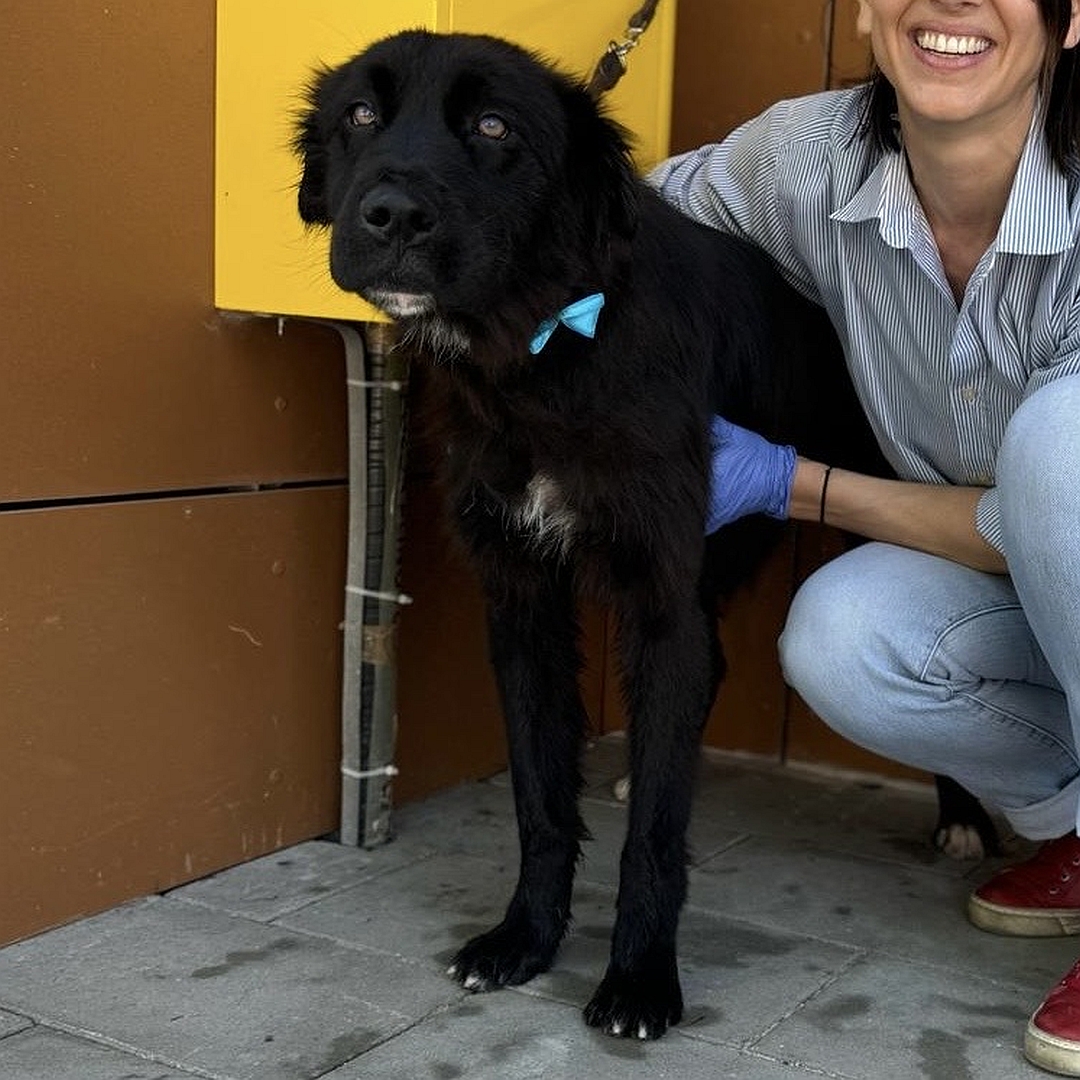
961,62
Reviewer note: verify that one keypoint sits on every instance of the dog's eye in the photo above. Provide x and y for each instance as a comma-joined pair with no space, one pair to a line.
492,126
362,115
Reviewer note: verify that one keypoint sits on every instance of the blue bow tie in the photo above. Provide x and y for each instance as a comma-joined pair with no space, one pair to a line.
580,316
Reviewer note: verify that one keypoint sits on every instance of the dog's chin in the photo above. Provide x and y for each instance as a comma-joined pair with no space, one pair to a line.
401,305
424,326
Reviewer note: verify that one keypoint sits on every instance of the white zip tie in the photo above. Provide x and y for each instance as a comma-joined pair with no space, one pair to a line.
367,774
393,598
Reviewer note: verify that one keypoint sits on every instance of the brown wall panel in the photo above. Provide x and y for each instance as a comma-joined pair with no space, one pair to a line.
170,677
118,374
734,59
851,50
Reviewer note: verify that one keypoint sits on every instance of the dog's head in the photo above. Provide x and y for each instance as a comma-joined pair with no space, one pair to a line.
465,182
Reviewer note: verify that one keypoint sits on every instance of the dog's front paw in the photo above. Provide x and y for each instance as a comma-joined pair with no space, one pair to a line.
636,1005
506,956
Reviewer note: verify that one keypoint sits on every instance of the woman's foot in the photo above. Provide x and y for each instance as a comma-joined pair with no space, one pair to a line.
1036,898
1052,1040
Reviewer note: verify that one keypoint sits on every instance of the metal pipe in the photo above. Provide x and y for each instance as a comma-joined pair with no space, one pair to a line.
376,376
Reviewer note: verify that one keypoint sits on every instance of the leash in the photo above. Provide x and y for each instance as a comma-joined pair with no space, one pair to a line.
612,65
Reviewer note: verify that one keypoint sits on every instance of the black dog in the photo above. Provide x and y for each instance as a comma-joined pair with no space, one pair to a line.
474,193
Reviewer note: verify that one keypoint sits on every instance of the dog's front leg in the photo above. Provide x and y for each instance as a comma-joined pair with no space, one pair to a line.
534,651
672,667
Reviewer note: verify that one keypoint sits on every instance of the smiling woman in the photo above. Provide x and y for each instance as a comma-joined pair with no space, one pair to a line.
936,215
959,63
1022,46
962,82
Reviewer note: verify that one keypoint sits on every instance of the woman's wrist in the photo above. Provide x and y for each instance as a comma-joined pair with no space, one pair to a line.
811,477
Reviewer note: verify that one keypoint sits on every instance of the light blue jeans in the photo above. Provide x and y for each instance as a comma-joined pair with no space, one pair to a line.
959,672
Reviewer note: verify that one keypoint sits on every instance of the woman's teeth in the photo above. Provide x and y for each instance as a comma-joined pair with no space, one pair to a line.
950,45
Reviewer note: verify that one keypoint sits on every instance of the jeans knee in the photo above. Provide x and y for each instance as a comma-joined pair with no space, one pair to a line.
851,638
812,641
1039,458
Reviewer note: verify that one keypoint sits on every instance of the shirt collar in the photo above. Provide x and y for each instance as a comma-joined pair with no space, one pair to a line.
1036,219
888,195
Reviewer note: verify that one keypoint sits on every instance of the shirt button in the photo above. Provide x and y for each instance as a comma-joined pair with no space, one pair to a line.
969,393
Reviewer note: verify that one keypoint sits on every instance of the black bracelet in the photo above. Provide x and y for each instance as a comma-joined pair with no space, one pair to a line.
824,490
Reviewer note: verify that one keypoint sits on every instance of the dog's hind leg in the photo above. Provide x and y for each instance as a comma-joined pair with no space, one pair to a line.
534,650
671,670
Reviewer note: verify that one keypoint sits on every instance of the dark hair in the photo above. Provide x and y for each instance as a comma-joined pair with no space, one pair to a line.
1058,86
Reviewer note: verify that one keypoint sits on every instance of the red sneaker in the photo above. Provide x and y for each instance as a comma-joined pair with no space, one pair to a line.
1037,898
1052,1039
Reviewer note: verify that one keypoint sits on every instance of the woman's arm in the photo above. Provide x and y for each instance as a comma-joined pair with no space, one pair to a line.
936,518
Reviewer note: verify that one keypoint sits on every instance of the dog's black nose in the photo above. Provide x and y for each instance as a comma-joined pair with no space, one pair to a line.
389,213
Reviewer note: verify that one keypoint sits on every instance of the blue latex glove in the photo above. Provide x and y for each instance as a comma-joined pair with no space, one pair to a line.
750,475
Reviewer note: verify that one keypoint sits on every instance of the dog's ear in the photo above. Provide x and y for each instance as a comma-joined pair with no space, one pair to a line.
601,168
310,146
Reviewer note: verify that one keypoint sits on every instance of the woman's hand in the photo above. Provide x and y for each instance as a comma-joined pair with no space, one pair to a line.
750,475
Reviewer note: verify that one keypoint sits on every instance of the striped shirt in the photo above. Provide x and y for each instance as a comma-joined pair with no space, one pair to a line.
844,225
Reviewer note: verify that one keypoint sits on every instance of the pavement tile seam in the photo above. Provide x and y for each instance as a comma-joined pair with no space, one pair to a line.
431,1015
552,997
581,873
810,847
581,877
97,1038
20,1023
685,1030
690,908
871,952
772,928
357,947
823,987
722,848
799,1068
976,974
224,909
794,1065
931,1066
447,1008
290,908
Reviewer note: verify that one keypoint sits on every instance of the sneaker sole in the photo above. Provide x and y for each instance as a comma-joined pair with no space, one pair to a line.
1061,1056
1023,922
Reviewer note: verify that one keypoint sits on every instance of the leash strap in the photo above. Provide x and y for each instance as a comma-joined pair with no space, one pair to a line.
611,66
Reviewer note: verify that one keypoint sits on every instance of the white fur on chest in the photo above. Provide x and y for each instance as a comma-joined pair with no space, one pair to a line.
544,513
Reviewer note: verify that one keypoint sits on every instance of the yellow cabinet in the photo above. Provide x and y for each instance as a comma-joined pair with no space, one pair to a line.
265,261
